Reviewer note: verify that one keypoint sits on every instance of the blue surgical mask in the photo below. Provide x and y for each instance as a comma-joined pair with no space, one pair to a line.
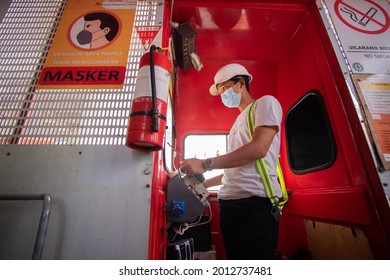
231,99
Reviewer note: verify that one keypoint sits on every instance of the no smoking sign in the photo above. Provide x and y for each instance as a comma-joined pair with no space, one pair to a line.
364,16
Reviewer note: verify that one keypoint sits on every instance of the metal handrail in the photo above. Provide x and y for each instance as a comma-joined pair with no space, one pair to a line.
43,222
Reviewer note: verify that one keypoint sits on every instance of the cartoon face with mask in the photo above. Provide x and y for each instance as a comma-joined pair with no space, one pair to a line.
99,30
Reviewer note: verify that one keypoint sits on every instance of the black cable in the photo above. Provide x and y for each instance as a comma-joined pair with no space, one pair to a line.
154,110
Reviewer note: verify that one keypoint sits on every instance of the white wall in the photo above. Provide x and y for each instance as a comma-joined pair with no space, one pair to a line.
100,201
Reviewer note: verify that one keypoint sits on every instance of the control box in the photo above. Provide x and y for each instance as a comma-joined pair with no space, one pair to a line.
186,200
184,45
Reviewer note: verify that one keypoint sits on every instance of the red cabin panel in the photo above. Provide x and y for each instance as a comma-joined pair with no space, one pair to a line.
286,48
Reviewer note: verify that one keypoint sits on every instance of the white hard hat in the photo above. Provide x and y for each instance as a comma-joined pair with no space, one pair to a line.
227,72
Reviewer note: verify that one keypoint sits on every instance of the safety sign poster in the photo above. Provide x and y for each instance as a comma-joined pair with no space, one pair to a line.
363,28
90,47
374,91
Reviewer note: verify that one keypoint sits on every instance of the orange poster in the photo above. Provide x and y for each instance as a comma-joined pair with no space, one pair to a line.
91,45
376,93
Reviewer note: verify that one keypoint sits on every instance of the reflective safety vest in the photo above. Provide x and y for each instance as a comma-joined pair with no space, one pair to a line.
261,166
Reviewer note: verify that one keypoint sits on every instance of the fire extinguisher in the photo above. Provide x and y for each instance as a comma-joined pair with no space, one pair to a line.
147,122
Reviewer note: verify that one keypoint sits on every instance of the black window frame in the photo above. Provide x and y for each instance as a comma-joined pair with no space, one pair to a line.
306,145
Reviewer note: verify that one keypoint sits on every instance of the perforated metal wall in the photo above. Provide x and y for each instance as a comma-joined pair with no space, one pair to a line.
60,117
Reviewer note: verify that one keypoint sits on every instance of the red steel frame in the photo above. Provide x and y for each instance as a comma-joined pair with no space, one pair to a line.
348,193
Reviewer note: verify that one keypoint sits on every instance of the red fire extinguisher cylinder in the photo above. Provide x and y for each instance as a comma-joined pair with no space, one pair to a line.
147,121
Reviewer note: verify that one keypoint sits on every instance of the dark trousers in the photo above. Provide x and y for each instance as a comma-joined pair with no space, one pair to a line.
249,231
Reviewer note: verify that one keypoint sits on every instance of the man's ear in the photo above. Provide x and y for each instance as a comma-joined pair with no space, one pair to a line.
106,30
242,82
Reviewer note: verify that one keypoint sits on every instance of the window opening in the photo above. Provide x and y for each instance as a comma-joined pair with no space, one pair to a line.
205,146
169,137
310,141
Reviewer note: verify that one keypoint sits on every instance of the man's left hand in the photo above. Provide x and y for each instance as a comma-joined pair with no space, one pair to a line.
192,166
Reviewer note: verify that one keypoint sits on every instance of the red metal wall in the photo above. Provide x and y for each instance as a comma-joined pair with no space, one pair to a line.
343,193
285,47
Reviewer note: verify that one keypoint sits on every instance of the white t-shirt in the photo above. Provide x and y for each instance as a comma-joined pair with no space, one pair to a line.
244,181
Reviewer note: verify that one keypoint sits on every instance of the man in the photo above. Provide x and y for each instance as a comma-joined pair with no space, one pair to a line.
249,230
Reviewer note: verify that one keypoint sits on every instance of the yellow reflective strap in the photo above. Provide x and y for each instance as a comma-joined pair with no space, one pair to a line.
265,178
249,121
260,163
282,184
261,167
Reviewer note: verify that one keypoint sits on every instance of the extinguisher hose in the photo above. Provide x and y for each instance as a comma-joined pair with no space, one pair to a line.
154,110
